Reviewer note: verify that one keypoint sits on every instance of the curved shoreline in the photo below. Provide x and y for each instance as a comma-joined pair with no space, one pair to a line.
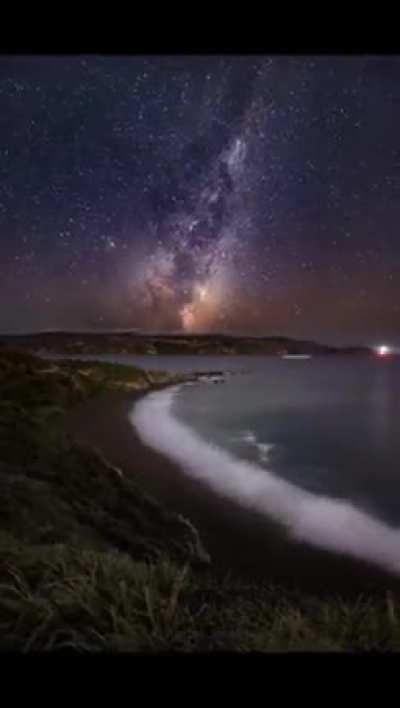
317,519
239,540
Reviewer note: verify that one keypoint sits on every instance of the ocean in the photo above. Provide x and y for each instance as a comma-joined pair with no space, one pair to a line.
313,444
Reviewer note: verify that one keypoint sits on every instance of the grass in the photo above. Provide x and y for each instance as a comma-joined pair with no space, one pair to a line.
90,563
54,490
58,598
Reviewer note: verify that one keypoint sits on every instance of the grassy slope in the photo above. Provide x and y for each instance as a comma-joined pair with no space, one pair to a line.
89,563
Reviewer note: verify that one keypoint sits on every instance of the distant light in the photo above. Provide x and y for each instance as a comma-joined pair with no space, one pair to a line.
383,350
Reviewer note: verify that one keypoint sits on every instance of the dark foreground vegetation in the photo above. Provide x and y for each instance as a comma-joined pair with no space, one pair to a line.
90,563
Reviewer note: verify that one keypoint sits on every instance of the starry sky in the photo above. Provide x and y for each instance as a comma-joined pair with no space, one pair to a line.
245,194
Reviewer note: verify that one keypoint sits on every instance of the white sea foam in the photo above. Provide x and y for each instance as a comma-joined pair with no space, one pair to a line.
318,520
263,451
250,438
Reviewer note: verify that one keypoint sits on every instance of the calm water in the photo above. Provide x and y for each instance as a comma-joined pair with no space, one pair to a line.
330,426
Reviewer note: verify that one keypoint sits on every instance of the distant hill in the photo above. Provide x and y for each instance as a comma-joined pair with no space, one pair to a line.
129,342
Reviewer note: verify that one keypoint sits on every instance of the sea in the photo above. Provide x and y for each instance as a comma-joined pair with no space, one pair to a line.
313,444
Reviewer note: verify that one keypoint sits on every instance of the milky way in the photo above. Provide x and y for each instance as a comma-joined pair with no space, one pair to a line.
244,194
191,272
188,280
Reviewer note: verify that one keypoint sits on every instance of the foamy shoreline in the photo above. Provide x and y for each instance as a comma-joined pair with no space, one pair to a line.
320,521
240,540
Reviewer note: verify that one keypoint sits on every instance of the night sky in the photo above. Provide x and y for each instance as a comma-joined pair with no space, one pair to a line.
243,194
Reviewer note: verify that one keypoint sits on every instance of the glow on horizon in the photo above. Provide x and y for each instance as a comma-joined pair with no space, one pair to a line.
383,350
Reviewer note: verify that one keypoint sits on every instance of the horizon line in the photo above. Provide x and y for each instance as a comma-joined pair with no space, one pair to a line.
178,333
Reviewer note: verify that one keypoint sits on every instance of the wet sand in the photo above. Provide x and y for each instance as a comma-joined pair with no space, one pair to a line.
238,540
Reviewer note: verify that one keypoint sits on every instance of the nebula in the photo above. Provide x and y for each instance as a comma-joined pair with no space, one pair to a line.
191,271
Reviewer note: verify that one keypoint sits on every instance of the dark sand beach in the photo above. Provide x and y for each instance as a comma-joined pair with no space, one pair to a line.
238,540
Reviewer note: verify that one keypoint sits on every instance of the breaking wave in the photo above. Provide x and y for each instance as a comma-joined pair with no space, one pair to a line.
318,520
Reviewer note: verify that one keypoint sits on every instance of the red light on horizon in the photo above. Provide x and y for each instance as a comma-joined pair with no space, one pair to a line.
383,351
